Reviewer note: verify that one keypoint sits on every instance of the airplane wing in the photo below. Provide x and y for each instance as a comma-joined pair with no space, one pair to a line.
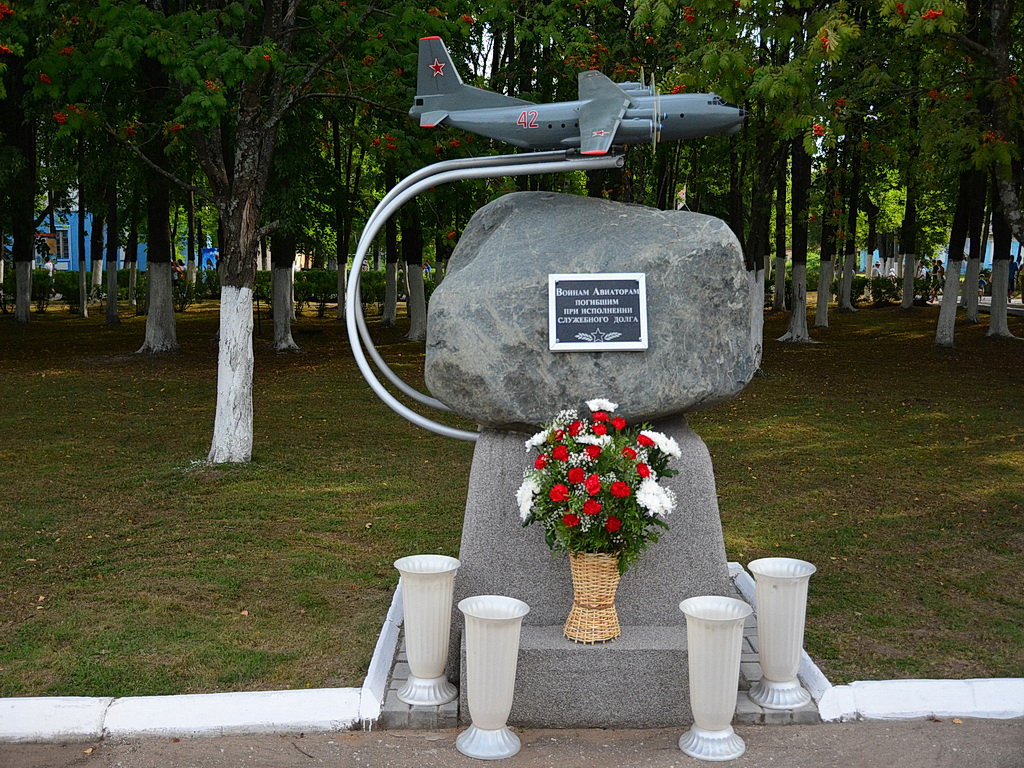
604,104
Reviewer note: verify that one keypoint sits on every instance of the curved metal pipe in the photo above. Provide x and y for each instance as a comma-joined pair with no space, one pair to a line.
435,175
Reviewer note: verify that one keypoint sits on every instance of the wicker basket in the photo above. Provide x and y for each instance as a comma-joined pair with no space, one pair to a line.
595,578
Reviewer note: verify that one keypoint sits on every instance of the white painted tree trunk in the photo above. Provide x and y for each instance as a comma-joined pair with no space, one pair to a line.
342,287
83,290
997,321
417,306
797,332
825,276
232,428
22,291
133,282
390,315
111,317
971,289
909,272
281,280
97,274
779,297
757,313
846,284
161,330
946,327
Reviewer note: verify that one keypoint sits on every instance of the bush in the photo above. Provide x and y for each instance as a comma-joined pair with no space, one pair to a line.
371,287
885,290
317,286
42,289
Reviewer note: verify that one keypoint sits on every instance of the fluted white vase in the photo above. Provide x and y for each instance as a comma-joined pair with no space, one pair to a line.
493,623
428,583
781,588
714,638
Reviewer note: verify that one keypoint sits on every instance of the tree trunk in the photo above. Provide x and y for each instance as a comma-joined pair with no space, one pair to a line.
978,233
96,250
282,255
947,311
412,254
801,190
946,326
909,274
825,277
850,240
83,285
20,136
161,330
131,254
113,244
826,271
782,179
22,291
997,321
232,428
390,315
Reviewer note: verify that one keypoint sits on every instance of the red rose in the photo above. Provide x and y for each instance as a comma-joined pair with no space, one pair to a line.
561,453
593,451
620,489
613,524
575,428
559,493
593,485
600,416
628,452
619,423
643,470
600,429
644,440
571,520
576,475
559,435
591,507
540,462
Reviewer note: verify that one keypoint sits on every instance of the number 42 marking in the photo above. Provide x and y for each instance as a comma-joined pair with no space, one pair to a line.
528,119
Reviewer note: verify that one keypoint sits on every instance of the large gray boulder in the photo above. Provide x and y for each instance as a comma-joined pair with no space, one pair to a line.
487,331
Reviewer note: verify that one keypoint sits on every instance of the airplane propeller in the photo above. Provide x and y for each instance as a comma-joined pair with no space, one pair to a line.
657,117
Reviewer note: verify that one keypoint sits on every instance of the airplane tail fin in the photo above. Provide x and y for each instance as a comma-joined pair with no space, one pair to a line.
440,90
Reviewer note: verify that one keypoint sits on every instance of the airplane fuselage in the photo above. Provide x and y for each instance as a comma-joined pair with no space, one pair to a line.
556,125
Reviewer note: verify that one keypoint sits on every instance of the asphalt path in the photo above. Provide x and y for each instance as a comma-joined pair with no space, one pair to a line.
949,743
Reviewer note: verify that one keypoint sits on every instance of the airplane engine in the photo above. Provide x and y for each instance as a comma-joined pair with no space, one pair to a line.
633,130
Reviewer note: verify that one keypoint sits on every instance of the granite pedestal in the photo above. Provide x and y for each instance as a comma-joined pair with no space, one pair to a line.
640,679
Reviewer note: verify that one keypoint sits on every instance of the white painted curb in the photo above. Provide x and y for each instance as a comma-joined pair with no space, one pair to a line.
213,714
990,698
71,719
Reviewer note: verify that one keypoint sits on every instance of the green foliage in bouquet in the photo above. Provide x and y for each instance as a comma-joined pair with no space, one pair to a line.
594,484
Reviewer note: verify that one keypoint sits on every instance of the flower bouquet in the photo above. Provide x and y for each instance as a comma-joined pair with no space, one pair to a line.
594,489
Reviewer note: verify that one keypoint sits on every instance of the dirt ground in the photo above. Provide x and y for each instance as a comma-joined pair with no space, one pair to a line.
917,744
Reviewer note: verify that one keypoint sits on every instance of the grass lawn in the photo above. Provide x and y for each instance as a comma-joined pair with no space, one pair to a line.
129,567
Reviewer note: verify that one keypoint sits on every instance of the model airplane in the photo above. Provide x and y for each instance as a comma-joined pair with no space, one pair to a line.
607,114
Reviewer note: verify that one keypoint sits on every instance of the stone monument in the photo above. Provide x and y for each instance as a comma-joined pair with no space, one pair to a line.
490,358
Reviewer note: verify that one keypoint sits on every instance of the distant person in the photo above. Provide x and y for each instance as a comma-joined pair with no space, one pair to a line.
876,270
1011,284
49,267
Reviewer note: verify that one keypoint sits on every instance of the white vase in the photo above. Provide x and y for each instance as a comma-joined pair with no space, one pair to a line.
492,653
714,638
781,588
428,583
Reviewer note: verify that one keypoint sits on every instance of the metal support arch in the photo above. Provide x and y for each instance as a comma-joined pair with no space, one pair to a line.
420,181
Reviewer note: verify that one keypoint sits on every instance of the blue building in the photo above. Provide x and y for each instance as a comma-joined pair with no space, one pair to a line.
63,244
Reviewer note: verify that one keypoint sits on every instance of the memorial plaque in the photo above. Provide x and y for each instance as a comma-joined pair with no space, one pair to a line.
603,311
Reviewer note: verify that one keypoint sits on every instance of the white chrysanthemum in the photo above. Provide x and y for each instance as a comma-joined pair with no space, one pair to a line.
600,404
601,440
655,499
539,439
524,497
666,444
